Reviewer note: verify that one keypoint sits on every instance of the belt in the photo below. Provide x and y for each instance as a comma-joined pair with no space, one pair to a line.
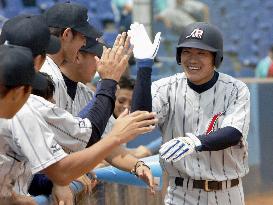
208,185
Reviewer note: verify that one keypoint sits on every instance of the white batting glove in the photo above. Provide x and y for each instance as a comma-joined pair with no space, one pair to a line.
143,47
175,149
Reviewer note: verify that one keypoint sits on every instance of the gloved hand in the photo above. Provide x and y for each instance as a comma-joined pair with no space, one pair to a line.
143,47
176,149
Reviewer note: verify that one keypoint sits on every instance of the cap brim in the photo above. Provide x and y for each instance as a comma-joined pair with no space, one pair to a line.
96,49
39,82
196,44
88,30
54,45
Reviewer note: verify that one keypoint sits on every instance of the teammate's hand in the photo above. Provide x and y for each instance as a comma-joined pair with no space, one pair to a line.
128,126
146,175
62,195
143,47
176,149
88,184
114,61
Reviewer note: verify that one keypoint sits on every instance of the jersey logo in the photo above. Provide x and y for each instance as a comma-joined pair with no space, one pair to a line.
213,122
196,33
55,148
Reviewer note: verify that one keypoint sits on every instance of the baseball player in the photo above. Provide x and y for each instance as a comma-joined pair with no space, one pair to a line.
203,116
16,79
73,96
73,133
78,74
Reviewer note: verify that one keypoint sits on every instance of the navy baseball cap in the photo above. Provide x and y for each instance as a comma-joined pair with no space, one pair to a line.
17,67
94,46
30,31
70,15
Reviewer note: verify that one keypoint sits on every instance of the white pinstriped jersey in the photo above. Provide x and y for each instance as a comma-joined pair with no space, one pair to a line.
61,97
182,110
27,146
50,122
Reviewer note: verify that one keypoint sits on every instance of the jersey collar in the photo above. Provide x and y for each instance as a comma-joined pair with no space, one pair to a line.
206,86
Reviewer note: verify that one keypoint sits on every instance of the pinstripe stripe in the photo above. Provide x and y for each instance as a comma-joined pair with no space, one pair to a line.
184,201
29,141
241,195
199,197
184,118
229,198
197,127
44,139
216,198
223,162
172,195
67,133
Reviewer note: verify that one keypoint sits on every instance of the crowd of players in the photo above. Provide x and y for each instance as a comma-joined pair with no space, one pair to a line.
54,129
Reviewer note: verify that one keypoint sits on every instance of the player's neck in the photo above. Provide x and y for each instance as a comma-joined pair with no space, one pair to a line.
206,86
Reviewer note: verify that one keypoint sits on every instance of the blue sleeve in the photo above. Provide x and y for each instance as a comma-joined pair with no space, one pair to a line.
40,185
100,108
220,139
142,98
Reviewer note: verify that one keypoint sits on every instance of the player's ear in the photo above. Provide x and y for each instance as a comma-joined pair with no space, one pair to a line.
67,34
39,61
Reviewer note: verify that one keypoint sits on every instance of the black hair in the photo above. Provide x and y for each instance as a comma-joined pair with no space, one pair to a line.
4,89
126,83
59,31
48,92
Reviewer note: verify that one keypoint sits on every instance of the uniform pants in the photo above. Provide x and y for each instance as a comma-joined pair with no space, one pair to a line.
186,195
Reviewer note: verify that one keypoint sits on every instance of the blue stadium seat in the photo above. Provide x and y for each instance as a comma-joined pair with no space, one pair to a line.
110,37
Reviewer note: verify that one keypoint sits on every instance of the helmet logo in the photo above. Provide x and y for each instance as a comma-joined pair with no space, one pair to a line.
196,33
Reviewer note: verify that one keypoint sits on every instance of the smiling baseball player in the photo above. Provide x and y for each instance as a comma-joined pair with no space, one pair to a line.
203,116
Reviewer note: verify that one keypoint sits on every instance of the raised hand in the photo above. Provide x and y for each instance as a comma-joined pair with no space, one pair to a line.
114,61
143,47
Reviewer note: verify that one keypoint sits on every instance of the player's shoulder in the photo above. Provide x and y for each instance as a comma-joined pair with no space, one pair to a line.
84,89
169,81
39,101
52,69
228,80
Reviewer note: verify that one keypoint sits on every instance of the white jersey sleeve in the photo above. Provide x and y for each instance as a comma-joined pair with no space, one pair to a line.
72,133
237,114
33,139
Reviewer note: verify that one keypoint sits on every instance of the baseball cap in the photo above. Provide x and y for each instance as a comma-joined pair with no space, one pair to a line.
70,15
30,31
94,46
17,67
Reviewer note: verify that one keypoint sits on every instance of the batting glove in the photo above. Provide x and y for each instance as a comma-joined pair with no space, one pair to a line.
176,149
143,47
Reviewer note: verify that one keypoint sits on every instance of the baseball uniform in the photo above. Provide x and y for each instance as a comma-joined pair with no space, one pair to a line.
181,110
39,117
63,100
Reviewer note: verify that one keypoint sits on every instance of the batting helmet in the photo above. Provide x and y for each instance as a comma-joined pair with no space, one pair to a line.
203,36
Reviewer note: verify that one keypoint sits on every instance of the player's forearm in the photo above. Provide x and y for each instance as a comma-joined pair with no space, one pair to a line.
122,159
142,98
220,139
76,164
99,110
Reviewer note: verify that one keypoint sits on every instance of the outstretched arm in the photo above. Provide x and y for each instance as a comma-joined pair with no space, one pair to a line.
144,52
126,128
